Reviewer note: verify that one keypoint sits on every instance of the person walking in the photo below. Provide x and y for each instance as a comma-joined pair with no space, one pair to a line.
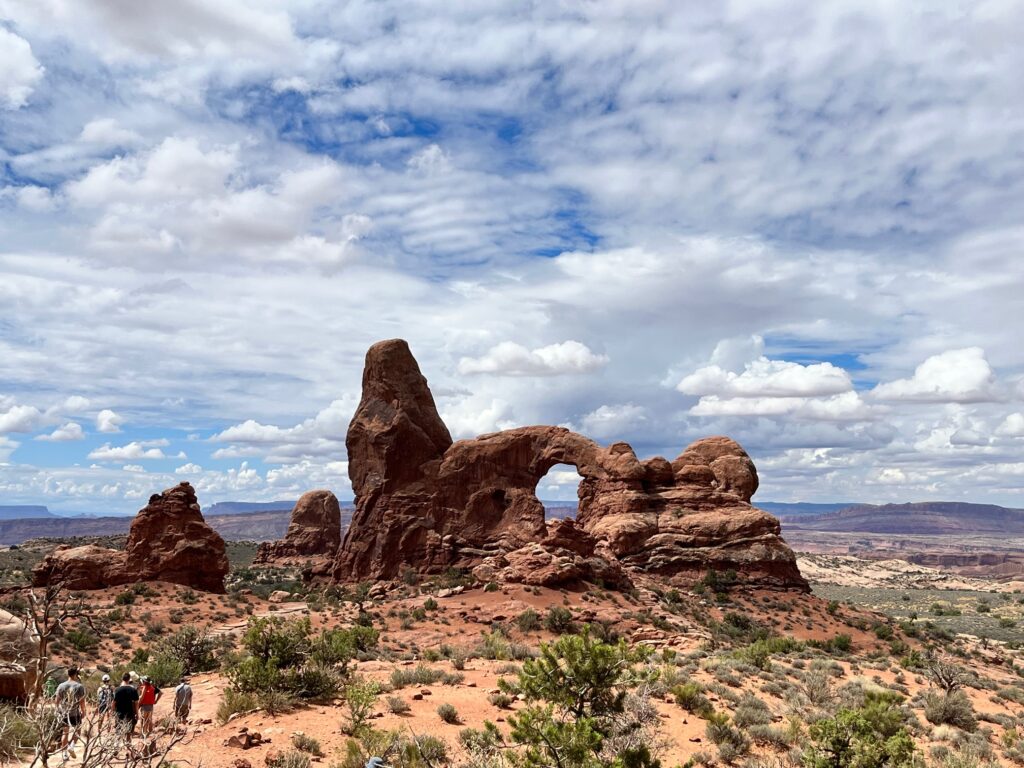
104,700
183,700
70,698
126,707
149,695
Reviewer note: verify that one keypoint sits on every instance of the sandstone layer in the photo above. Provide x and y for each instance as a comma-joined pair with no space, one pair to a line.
314,532
168,541
427,503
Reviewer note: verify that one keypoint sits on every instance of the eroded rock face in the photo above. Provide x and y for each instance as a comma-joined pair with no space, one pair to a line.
18,649
425,503
168,541
314,532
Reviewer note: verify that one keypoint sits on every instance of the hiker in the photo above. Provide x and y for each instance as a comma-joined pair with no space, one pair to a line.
70,696
104,699
375,762
183,700
126,706
149,695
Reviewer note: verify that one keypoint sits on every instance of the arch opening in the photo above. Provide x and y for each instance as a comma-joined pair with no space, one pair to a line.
558,491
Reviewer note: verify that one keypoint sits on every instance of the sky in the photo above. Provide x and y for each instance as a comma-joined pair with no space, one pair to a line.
797,224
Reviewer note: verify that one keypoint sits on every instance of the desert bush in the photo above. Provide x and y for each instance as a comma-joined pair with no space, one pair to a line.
164,668
448,713
359,695
751,711
528,620
305,743
418,675
397,705
500,700
559,620
873,734
16,733
234,702
290,759
690,696
275,702
950,709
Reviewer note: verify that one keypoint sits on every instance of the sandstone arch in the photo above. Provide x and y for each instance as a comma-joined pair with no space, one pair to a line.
427,503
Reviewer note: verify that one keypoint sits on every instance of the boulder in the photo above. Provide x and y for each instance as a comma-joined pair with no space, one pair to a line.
18,649
314,532
168,541
426,503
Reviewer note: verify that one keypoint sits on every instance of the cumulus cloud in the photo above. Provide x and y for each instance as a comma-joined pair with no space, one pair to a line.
19,70
70,431
847,406
955,376
188,469
131,451
613,421
511,359
108,421
19,418
768,378
1011,426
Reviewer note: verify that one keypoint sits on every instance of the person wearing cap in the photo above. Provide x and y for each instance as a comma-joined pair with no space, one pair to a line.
104,699
182,700
375,762
149,695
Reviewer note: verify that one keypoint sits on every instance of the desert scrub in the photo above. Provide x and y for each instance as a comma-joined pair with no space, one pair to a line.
500,700
690,697
290,759
952,708
308,744
528,620
397,705
234,702
559,620
448,713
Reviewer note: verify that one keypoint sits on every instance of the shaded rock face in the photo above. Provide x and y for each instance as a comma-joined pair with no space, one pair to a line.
314,531
425,503
168,541
18,646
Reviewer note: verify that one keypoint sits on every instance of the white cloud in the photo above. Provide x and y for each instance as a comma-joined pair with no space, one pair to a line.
955,376
107,132
768,378
1012,426
614,421
470,417
75,404
131,451
511,359
188,469
19,70
133,468
107,421
70,431
847,406
19,418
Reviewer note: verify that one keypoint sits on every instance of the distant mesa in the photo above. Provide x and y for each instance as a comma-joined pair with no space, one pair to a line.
313,535
25,511
427,503
168,541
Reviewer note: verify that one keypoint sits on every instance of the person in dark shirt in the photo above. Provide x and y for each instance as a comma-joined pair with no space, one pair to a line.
126,706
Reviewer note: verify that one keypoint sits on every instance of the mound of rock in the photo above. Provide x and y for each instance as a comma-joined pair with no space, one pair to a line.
18,649
168,541
314,532
426,503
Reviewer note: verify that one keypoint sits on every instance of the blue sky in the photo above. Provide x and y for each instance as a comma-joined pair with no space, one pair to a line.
795,224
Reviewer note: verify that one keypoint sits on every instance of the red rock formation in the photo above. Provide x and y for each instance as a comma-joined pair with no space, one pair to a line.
314,532
426,503
168,541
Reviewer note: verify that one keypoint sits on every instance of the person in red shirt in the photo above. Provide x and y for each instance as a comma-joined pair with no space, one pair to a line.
149,695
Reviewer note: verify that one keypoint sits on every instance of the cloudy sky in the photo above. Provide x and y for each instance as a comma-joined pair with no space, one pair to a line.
798,224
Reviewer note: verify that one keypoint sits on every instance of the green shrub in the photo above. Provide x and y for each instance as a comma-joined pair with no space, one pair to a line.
398,706
164,669
952,708
690,696
448,713
308,744
873,734
290,759
528,620
559,620
234,702
360,696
